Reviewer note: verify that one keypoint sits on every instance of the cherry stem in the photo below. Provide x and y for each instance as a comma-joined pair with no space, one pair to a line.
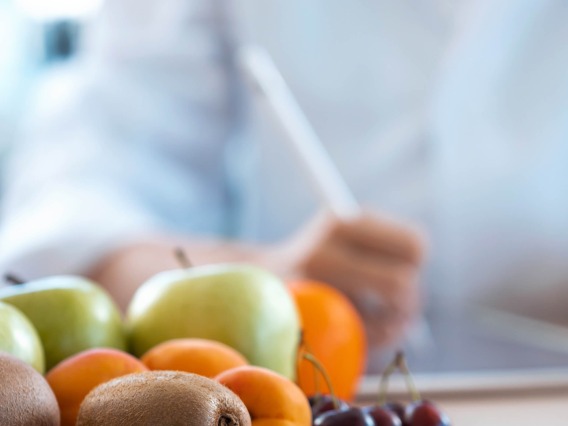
309,357
384,384
182,258
299,353
317,384
304,347
403,367
13,279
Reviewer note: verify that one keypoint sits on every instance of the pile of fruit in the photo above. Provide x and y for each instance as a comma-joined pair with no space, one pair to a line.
209,345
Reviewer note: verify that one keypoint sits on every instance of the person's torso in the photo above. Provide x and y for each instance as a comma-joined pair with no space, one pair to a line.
449,115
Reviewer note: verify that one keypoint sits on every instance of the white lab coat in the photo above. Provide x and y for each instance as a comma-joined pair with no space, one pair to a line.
451,115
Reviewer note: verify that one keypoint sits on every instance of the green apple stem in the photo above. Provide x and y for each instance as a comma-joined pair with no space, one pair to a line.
13,279
309,357
403,367
182,258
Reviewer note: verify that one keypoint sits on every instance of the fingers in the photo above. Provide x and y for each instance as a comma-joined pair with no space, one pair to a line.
374,261
391,283
369,233
339,263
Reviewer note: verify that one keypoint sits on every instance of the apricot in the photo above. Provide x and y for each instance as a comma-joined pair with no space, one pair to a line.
199,356
271,399
73,378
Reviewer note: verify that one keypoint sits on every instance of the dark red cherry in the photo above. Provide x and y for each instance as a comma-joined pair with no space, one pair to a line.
398,408
425,413
323,403
382,416
353,416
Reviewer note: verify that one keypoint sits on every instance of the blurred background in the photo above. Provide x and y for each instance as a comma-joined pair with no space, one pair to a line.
35,37
503,209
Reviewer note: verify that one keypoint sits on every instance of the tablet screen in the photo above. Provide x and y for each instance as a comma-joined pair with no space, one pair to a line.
481,350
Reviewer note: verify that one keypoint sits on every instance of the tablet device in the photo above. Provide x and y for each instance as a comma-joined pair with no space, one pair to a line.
477,352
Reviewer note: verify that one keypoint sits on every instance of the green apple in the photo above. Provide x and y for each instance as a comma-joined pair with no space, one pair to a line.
70,313
240,305
19,337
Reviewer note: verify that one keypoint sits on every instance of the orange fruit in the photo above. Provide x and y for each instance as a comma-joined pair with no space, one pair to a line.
333,332
73,378
199,356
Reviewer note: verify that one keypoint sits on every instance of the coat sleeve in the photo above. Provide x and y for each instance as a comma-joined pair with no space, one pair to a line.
130,139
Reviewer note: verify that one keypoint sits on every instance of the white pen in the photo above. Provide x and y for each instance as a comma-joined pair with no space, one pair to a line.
329,183
325,177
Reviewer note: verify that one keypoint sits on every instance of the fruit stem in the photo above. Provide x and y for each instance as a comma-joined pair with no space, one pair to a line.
13,279
304,347
182,258
403,367
317,384
299,353
309,357
384,384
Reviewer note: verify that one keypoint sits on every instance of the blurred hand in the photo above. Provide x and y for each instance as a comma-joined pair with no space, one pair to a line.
374,261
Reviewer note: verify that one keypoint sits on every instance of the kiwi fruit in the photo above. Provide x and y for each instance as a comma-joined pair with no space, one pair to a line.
162,398
25,396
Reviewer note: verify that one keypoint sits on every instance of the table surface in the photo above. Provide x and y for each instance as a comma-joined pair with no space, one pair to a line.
527,410
514,407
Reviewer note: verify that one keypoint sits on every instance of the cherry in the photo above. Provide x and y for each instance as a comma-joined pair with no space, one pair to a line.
397,408
425,413
382,416
323,403
314,399
352,416
420,412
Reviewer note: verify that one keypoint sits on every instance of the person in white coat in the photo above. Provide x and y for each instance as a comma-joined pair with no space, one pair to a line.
446,119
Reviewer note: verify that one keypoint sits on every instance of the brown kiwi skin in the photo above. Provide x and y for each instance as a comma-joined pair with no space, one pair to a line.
162,398
25,396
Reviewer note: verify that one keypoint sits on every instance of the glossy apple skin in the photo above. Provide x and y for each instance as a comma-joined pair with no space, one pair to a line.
240,305
19,338
70,314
